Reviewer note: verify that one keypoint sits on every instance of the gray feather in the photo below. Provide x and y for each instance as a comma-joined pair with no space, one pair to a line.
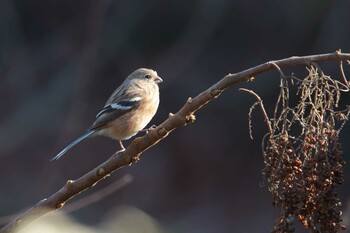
72,144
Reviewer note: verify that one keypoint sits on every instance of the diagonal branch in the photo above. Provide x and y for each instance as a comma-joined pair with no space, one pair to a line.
83,202
139,145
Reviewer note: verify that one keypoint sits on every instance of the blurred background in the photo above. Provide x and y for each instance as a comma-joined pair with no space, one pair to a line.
60,60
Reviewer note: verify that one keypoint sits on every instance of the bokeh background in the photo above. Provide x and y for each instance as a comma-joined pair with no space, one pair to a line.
60,60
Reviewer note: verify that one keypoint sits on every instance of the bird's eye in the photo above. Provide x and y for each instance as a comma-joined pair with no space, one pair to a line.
148,76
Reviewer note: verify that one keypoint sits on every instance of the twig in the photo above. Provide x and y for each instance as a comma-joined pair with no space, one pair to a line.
141,144
279,70
284,95
268,123
343,74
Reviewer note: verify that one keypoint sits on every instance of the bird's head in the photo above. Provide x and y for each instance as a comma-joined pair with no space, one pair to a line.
146,75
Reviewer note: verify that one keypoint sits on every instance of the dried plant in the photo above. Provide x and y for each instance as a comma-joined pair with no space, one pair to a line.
302,153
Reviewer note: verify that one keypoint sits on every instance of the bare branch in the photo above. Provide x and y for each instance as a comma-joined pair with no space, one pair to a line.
90,199
99,195
139,145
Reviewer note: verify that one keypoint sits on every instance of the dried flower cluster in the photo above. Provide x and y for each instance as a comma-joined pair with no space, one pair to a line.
303,156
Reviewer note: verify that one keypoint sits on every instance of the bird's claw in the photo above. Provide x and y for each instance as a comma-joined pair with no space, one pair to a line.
153,127
146,131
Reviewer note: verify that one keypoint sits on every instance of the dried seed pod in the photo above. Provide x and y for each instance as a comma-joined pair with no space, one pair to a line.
304,170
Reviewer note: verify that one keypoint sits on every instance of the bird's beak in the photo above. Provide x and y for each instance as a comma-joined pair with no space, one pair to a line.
158,79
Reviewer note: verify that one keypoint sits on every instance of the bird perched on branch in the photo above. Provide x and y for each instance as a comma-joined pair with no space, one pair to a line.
127,111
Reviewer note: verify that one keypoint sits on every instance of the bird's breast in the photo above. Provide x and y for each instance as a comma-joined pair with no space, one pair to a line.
132,122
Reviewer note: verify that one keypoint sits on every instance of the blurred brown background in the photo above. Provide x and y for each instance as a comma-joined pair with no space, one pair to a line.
60,60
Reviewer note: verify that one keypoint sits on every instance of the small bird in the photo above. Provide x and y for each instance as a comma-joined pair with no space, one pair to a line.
127,111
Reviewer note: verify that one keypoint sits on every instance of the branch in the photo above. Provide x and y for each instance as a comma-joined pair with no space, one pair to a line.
139,145
88,200
97,196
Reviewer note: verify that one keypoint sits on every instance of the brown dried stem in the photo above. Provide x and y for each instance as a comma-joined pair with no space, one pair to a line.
303,157
343,74
139,145
268,123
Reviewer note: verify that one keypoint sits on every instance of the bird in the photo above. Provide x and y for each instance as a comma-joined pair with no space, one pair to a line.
127,111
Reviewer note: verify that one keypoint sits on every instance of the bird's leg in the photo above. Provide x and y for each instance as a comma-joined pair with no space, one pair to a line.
122,148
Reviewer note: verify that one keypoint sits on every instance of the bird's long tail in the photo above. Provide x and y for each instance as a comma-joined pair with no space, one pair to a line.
76,141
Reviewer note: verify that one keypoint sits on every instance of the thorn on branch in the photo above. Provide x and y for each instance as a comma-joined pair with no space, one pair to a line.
69,183
215,93
101,171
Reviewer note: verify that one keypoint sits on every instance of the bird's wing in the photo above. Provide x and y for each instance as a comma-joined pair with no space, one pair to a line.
115,109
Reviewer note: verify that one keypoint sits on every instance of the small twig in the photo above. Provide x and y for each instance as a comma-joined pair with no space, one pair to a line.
284,96
347,84
250,125
284,93
279,69
268,123
343,73
318,68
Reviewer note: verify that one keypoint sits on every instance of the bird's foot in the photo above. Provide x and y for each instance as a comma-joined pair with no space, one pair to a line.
122,148
119,151
146,131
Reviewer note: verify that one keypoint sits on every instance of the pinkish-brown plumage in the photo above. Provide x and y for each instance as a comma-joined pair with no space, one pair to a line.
128,110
